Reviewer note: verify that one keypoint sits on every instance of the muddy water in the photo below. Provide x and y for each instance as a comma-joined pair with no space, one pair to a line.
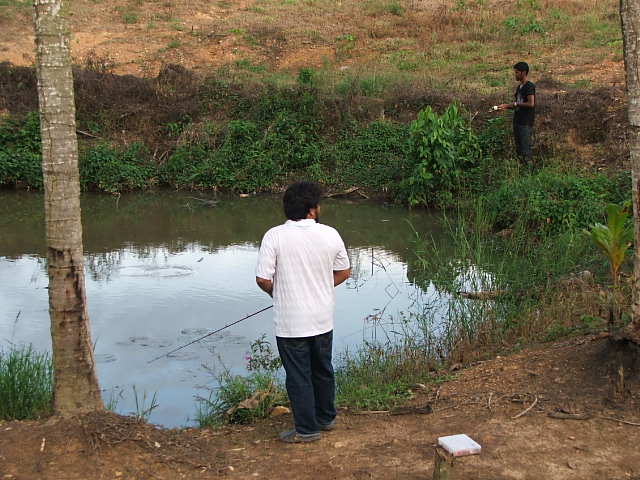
165,268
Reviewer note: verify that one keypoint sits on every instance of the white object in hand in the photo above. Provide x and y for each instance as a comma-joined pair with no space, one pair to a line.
495,107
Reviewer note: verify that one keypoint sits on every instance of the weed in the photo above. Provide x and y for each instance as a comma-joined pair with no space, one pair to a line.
246,64
242,399
26,383
143,410
130,17
144,405
395,8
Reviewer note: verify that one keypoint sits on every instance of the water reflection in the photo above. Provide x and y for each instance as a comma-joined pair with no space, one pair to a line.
163,269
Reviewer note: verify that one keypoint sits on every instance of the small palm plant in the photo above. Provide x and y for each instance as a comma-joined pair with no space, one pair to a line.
614,238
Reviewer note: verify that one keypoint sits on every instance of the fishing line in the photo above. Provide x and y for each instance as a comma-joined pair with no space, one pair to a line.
209,334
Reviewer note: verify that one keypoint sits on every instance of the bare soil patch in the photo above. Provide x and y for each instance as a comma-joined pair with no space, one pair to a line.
504,404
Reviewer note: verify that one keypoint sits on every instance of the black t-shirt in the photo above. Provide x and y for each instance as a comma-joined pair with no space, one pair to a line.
524,115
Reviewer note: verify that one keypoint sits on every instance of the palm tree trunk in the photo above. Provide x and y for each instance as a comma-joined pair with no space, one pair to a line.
76,388
630,15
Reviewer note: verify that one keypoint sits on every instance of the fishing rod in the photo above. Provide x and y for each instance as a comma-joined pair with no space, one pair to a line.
209,334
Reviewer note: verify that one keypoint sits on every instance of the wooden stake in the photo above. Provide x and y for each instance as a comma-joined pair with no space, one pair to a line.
443,465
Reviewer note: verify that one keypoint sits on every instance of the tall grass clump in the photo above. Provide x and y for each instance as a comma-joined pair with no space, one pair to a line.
26,383
235,398
382,373
495,288
552,202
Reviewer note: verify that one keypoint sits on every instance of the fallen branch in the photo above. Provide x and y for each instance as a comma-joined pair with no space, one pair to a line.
342,194
455,406
527,410
621,421
371,412
569,416
86,134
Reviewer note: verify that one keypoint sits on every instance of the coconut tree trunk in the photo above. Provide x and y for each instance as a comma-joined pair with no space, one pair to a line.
630,15
76,389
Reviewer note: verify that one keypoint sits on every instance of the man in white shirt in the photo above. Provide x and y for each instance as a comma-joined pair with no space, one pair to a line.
300,263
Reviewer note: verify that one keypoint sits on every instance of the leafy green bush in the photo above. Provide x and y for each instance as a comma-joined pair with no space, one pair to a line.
185,166
21,152
443,148
551,202
493,138
105,168
373,156
293,142
241,163
26,384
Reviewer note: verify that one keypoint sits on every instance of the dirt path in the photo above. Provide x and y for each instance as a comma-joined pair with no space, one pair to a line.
503,404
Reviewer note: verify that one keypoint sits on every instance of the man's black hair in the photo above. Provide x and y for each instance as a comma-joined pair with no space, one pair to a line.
522,67
299,198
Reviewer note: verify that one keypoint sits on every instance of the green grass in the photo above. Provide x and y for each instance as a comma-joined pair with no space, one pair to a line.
26,383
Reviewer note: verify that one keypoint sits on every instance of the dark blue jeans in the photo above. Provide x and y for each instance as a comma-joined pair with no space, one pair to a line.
522,134
311,384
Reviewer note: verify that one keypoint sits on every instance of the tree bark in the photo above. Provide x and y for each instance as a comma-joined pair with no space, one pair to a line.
630,16
76,389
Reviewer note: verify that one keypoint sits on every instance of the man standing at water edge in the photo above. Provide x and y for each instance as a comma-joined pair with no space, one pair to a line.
525,112
299,265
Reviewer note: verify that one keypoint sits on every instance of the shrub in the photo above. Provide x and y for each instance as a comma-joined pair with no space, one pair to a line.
185,165
21,152
551,202
442,147
373,156
105,168
241,162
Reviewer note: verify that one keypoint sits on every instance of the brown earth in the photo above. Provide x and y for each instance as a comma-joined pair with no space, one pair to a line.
506,404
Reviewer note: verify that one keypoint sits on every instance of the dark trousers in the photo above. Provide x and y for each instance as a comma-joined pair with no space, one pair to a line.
310,380
523,134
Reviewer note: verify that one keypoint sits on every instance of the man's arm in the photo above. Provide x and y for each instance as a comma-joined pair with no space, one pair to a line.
340,276
265,285
530,103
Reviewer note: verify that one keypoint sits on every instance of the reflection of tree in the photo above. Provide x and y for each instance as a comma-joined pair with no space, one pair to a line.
100,266
142,223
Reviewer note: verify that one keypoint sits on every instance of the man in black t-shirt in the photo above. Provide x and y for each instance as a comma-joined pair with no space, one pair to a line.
525,111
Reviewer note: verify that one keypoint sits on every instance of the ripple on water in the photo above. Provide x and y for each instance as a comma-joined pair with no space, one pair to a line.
155,271
196,332
155,343
132,341
236,340
184,356
105,357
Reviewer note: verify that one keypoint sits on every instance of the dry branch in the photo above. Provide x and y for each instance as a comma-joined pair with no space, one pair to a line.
527,410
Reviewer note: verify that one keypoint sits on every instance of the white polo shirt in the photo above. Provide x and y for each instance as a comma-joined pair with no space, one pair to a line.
300,257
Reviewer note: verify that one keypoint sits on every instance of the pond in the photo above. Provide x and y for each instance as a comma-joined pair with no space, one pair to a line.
165,268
